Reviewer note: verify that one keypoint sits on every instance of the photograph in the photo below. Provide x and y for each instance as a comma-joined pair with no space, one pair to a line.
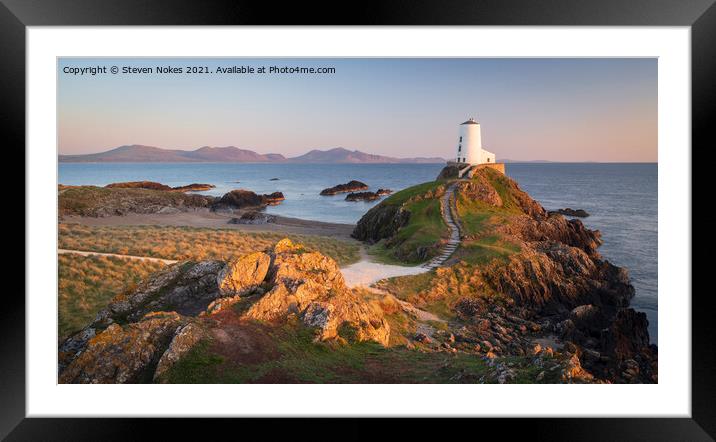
357,220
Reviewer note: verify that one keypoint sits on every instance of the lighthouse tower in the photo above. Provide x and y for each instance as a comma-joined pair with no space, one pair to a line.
469,146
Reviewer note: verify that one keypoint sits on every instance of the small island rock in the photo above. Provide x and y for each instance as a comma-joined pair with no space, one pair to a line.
351,186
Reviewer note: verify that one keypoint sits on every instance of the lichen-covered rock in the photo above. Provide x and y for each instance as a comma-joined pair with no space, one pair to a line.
220,304
243,274
186,288
311,286
124,354
183,341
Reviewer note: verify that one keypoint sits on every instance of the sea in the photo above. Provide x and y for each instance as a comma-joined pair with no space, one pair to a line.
621,198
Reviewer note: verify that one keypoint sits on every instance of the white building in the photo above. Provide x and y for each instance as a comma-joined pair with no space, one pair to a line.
469,147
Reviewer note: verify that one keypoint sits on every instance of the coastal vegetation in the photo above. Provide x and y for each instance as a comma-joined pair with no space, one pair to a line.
525,298
406,227
106,201
190,243
87,283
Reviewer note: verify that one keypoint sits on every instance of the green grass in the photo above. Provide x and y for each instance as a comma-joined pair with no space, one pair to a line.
300,360
482,252
189,243
87,283
424,229
404,195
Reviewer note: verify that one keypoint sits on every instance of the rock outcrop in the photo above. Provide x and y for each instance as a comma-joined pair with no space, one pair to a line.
579,213
194,187
311,286
272,199
253,217
143,333
362,196
139,185
152,185
381,222
124,354
118,200
246,199
239,199
242,275
551,283
351,186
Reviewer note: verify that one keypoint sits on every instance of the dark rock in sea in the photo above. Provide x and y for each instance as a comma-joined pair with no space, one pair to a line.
362,196
194,187
273,179
383,192
351,186
272,199
579,213
239,199
139,185
253,217
243,199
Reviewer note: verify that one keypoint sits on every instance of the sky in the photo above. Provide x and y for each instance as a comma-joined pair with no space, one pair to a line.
573,109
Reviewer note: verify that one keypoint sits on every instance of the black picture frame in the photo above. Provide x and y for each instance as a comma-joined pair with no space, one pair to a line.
699,15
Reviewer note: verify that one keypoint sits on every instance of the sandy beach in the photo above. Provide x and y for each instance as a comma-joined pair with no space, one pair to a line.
216,220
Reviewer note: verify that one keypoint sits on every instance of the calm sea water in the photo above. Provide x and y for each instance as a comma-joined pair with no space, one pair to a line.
621,198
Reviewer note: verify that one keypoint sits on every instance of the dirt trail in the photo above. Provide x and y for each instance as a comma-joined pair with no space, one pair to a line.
116,255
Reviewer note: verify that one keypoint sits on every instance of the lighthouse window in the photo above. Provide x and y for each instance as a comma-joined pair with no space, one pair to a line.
461,139
459,147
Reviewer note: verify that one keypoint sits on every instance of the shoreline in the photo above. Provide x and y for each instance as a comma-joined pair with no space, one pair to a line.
204,218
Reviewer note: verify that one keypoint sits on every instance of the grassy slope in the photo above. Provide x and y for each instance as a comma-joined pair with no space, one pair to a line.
87,283
191,243
478,219
425,228
296,358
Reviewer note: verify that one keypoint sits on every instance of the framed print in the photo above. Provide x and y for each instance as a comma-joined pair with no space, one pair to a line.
397,219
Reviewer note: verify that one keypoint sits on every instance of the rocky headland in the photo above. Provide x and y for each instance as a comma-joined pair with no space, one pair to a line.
93,201
525,297
147,197
151,185
520,276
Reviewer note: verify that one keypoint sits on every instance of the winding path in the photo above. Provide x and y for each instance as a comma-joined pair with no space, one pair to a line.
454,241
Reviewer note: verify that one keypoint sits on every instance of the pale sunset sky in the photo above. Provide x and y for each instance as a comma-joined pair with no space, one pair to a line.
577,109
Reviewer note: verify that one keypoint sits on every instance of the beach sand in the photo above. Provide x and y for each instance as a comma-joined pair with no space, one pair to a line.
207,219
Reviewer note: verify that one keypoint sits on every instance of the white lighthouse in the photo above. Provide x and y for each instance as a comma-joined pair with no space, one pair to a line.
469,146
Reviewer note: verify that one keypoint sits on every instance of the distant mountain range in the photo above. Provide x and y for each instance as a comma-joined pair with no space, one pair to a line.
148,154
